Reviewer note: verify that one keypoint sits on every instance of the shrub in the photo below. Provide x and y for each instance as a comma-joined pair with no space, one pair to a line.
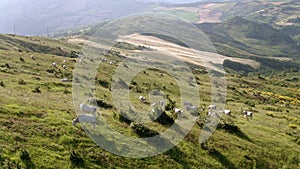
134,83
293,126
22,60
76,159
2,83
7,65
103,104
21,82
124,118
24,156
142,131
251,104
66,91
36,90
270,114
163,118
103,83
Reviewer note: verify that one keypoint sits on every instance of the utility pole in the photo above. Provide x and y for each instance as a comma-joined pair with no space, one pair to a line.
47,32
14,29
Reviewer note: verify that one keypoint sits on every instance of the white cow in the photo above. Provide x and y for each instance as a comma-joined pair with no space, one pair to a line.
227,112
54,64
88,109
247,113
178,111
64,61
32,57
64,66
85,118
142,99
64,80
213,113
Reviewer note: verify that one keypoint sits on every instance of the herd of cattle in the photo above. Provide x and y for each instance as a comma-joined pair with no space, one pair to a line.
90,116
91,110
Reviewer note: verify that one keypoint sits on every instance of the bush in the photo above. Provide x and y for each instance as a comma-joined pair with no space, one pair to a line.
66,91
21,82
22,60
2,83
24,156
293,126
103,83
251,104
124,118
270,114
76,159
142,131
36,90
163,119
7,65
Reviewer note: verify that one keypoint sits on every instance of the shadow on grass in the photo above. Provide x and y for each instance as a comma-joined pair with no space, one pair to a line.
234,130
221,158
24,156
161,143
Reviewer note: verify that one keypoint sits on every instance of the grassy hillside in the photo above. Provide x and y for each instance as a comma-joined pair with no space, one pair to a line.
36,115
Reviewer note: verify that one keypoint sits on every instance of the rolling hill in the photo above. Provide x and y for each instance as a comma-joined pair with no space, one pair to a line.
282,15
36,114
253,38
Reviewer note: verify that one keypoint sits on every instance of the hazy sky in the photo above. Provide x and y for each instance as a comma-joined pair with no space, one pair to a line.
34,17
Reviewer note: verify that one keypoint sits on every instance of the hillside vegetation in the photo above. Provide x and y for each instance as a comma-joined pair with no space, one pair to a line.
253,38
36,114
282,14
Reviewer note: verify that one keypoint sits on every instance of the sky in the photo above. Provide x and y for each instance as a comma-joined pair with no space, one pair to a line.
35,17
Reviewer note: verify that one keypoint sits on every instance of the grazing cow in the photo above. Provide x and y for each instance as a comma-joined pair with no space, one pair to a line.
32,57
212,107
64,66
111,63
85,118
213,113
247,113
227,112
142,99
64,61
88,109
54,65
64,80
178,111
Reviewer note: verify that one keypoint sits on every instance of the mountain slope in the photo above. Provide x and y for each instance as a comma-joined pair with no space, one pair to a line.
36,116
254,38
39,45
